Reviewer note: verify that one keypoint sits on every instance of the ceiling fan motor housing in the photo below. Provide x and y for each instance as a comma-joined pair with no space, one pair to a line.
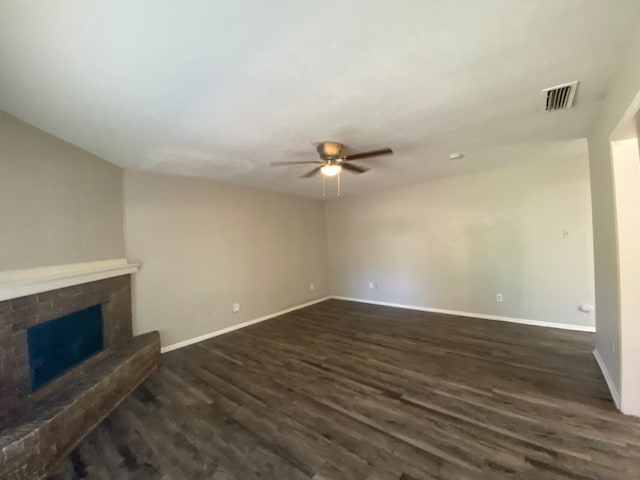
330,150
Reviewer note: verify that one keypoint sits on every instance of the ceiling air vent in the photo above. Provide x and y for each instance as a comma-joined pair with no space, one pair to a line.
559,97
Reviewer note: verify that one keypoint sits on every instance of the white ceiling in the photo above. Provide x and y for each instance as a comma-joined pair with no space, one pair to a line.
221,88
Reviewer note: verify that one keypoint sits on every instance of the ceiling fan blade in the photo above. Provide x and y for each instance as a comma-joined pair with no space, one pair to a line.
311,173
353,168
284,164
372,153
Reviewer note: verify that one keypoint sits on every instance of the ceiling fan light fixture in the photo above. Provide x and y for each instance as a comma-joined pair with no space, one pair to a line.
330,149
331,170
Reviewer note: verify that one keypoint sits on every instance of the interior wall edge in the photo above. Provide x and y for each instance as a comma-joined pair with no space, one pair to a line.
608,378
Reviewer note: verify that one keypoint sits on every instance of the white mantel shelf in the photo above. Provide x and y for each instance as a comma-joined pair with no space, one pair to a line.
29,281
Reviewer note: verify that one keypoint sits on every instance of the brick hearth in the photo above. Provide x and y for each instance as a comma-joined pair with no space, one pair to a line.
37,428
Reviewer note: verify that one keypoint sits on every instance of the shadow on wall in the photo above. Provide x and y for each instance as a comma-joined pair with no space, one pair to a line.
455,244
497,251
418,263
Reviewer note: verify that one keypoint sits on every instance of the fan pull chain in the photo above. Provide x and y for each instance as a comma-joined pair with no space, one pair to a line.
338,183
324,193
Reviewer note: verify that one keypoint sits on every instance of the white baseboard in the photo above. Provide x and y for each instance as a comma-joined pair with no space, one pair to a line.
537,323
206,336
607,377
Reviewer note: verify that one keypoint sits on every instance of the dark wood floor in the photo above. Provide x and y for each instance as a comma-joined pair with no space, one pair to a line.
342,390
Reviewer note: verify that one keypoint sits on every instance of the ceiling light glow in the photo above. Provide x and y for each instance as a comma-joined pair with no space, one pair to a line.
331,170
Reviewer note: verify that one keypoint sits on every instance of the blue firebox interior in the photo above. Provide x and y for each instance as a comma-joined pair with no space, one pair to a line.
60,344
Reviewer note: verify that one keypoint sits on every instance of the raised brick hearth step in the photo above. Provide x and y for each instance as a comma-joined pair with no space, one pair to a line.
33,443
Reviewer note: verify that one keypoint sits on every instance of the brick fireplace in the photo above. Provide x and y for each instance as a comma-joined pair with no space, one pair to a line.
38,427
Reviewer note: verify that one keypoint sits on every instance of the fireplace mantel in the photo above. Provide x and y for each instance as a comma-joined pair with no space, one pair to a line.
29,281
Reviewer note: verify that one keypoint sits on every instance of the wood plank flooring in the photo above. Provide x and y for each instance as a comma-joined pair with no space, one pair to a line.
341,390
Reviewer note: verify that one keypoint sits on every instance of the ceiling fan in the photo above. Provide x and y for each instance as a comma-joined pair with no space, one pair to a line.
333,160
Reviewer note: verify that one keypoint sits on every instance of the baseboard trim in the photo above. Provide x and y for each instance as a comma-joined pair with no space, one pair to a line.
607,377
238,326
524,321
537,323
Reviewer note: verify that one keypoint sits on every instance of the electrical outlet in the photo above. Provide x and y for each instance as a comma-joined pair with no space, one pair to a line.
236,307
312,286
373,286
498,297
565,233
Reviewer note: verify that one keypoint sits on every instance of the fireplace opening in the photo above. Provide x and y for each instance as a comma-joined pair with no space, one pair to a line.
60,344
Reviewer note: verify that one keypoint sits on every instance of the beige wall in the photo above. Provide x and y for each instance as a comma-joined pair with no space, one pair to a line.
204,245
626,179
58,203
638,128
624,87
453,244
